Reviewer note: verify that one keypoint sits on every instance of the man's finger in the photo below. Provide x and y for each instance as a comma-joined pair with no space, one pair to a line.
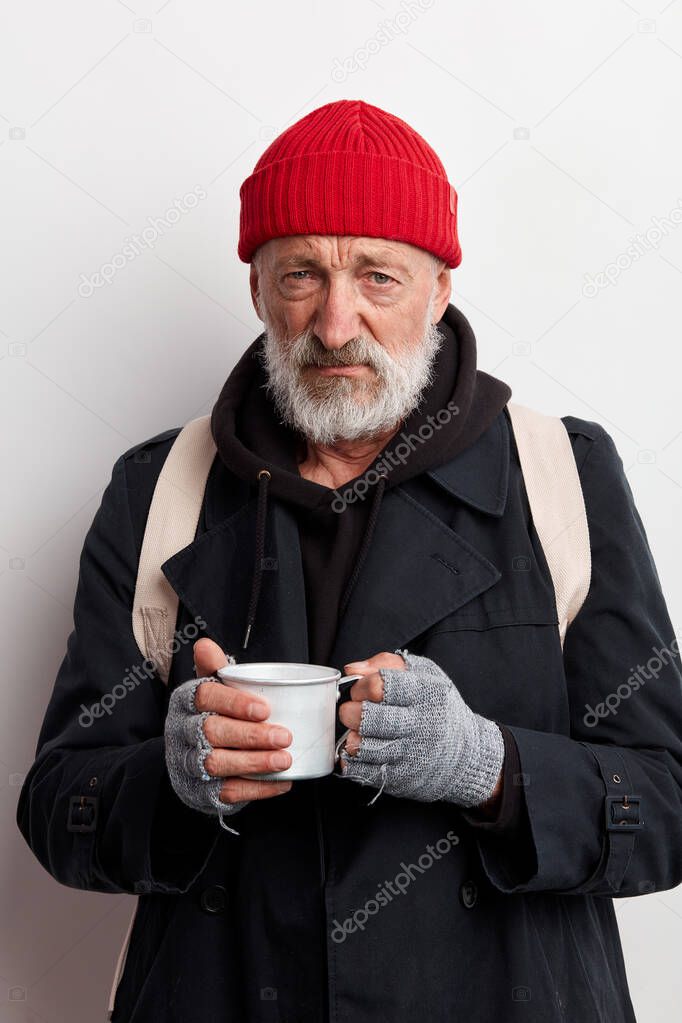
228,733
385,722
226,763
352,743
350,714
371,687
208,657
232,703
234,790
382,660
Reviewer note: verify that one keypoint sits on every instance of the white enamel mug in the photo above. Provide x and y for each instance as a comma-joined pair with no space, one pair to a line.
303,698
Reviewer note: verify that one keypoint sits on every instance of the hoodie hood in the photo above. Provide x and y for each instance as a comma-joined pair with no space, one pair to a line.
455,409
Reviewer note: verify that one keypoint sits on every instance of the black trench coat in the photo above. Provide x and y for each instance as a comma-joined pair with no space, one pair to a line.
286,922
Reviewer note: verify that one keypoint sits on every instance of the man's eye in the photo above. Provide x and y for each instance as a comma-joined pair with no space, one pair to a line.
295,272
377,273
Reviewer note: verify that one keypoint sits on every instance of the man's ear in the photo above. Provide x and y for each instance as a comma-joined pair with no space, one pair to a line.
254,284
443,292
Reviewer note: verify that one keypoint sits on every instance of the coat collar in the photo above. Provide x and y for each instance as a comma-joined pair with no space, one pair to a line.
479,475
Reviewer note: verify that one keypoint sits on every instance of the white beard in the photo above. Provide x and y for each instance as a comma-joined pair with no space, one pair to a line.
326,409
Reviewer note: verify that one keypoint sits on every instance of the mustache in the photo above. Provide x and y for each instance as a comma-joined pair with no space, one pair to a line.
309,351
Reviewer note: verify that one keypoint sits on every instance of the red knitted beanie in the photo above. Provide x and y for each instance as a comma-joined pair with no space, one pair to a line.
349,168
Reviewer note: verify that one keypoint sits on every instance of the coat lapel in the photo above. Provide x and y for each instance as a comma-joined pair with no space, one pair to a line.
417,571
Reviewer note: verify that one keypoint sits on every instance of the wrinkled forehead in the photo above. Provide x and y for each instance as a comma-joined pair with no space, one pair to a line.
334,252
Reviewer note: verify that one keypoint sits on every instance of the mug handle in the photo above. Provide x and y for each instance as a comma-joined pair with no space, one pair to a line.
346,678
342,738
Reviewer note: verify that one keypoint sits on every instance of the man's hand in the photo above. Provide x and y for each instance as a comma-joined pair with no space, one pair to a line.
412,731
216,736
230,730
370,687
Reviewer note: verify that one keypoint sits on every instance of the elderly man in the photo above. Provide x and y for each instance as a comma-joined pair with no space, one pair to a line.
461,860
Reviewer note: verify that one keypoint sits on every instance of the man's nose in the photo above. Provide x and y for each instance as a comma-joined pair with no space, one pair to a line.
336,321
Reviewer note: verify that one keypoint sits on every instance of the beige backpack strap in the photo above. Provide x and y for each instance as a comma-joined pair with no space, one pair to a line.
557,505
171,525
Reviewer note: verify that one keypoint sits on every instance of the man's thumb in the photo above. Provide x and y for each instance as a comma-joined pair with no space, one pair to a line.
208,657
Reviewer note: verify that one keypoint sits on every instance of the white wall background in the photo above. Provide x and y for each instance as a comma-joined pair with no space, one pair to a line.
559,125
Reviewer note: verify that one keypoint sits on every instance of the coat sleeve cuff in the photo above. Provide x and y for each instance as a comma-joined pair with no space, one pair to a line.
172,842
181,841
564,804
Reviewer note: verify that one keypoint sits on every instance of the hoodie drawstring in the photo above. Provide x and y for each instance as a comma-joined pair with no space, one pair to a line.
261,513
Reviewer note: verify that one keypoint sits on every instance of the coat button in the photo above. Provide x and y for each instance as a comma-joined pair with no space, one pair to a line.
468,894
213,899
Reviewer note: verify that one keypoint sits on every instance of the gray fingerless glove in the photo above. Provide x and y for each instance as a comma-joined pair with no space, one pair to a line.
186,750
423,741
